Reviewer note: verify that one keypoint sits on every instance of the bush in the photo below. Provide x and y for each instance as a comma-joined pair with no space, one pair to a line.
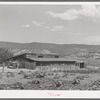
21,73
5,54
17,85
10,74
76,81
35,82
28,76
40,74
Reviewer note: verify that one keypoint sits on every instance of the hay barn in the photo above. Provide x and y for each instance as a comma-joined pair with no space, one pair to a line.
32,60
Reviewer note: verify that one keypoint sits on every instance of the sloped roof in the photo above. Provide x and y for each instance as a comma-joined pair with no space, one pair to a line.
41,54
51,59
48,59
35,54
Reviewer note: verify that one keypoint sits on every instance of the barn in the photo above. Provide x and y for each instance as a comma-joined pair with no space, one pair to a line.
20,61
52,61
32,60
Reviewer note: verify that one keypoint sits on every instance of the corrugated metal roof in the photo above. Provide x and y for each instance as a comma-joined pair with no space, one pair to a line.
42,54
50,59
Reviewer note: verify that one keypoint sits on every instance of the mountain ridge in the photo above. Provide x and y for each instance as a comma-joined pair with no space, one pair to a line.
63,49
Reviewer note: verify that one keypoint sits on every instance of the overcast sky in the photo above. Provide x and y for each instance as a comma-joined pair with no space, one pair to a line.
50,24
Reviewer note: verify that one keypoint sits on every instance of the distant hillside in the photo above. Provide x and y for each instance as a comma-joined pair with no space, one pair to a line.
64,49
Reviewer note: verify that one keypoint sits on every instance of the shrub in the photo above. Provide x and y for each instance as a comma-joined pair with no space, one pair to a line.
21,73
17,85
10,74
76,81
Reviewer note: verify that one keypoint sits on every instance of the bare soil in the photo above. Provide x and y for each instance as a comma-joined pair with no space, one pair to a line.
24,79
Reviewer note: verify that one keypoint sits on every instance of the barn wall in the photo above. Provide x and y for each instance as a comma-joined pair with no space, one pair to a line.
44,63
80,64
22,63
26,63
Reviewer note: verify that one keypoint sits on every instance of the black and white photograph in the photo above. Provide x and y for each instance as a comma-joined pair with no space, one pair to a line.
50,47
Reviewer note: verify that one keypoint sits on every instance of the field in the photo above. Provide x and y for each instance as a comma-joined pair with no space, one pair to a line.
40,79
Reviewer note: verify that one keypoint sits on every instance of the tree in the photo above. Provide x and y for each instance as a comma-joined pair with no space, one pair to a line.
4,54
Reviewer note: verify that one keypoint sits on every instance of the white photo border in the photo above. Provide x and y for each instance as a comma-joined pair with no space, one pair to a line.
49,93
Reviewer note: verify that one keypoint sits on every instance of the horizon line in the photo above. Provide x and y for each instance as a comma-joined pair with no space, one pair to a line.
49,43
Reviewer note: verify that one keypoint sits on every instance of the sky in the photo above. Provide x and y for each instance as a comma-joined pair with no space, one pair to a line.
60,24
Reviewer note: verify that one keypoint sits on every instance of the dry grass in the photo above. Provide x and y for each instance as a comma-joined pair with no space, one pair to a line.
48,80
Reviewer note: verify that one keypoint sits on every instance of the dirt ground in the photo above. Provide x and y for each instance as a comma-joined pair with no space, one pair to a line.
19,79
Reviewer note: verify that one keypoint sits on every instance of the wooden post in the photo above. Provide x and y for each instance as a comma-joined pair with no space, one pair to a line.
75,67
2,69
17,64
29,66
79,65
70,67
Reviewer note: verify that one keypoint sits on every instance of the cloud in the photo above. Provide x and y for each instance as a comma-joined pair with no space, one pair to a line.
68,15
72,14
89,10
26,26
34,22
37,23
57,28
47,27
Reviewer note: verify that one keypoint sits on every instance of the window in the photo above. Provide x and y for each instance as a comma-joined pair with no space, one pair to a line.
56,56
40,56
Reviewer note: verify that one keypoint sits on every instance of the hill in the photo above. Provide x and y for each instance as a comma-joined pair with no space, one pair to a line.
63,49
